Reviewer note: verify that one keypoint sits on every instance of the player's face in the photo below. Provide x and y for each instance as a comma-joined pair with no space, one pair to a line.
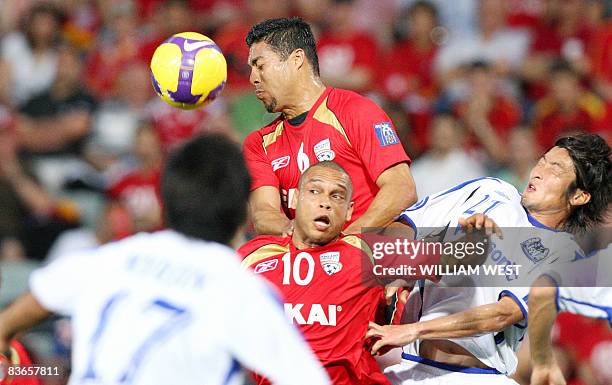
549,181
323,206
269,74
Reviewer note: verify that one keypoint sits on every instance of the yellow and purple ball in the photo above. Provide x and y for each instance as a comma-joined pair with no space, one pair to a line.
188,70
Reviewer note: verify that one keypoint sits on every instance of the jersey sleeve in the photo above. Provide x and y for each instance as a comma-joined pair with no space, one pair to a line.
57,286
373,136
261,338
593,302
520,296
257,162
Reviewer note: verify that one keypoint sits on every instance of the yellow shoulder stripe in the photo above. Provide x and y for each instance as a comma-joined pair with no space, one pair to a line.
270,138
359,243
263,253
324,115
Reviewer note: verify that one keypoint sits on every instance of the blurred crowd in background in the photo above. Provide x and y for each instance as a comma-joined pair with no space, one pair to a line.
474,87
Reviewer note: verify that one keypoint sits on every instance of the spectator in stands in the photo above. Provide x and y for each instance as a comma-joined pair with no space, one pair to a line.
138,189
447,163
494,42
117,46
488,112
117,120
568,108
53,126
407,77
348,57
30,55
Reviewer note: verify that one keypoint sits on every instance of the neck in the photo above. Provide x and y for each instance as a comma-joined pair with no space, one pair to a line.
305,98
553,218
302,243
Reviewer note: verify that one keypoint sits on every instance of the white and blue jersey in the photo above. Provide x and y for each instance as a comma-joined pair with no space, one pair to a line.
590,301
526,243
165,309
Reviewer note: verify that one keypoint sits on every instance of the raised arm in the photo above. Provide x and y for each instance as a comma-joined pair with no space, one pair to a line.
479,320
397,192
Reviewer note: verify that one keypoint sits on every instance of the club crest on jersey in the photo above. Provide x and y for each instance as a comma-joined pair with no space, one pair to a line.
330,262
534,249
323,150
280,162
385,134
264,266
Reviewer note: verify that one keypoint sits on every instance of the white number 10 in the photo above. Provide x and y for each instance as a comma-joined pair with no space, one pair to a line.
297,263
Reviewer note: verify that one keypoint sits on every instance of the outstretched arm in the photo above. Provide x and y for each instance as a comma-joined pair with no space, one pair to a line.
543,310
476,321
21,315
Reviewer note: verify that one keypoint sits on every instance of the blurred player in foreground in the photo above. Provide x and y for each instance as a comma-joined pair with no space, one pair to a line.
546,300
569,189
326,277
152,309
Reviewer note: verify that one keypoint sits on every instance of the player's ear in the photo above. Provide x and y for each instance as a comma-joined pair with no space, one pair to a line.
349,212
579,198
294,199
298,58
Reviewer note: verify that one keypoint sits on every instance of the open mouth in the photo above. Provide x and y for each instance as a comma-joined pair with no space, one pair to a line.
322,222
531,187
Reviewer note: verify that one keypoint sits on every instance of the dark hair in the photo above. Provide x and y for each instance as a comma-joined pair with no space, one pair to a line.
425,6
285,36
331,165
561,67
205,188
591,157
42,9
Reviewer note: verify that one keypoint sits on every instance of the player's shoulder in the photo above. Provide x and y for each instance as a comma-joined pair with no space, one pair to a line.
356,241
258,135
262,247
341,100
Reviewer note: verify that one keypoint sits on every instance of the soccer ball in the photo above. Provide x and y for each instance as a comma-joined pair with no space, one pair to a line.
188,70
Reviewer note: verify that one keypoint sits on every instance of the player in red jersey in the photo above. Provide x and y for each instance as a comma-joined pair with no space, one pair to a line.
320,274
317,123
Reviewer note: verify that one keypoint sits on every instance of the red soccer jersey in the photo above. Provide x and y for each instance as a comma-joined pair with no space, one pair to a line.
21,358
342,126
325,294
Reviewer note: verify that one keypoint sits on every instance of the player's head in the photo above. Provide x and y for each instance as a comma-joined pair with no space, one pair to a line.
322,203
205,188
574,177
282,55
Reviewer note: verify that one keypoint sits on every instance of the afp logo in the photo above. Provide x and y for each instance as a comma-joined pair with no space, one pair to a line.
330,262
534,249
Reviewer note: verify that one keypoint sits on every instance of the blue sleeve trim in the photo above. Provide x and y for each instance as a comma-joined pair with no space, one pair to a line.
450,368
605,309
521,305
233,369
410,223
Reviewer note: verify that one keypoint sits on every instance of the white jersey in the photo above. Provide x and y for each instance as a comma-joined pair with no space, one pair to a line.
165,309
589,301
526,243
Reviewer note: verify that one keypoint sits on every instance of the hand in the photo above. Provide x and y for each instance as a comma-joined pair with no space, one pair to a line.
547,375
392,288
391,335
478,222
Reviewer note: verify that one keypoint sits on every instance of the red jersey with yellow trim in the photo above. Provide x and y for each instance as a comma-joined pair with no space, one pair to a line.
19,357
326,297
342,126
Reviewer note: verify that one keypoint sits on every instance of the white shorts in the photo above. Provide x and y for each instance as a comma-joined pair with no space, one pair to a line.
421,371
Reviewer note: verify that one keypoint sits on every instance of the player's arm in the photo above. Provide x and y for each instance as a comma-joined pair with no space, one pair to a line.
266,212
543,311
479,320
397,191
21,315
